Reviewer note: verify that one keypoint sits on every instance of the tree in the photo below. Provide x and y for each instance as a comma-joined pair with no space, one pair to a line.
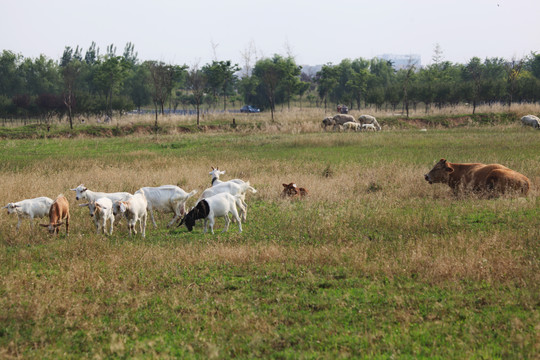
407,76
327,79
270,73
197,81
162,78
109,76
70,74
290,82
513,69
474,71
11,82
220,76
137,86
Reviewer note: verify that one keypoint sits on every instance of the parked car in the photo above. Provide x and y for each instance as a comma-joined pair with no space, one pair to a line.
249,109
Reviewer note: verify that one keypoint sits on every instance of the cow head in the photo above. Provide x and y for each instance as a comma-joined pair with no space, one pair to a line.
440,172
290,190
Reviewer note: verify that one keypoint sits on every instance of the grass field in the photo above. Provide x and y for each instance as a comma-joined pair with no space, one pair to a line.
374,263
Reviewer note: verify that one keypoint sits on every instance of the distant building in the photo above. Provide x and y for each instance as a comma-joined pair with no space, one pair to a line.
402,61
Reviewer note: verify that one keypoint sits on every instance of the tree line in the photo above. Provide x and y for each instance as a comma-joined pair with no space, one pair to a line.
87,83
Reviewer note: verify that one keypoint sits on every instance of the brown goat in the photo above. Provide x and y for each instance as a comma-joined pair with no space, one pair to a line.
59,211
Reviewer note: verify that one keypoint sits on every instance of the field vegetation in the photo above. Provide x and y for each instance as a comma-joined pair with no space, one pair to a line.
374,263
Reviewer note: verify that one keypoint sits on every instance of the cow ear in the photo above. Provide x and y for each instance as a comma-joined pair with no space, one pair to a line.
449,169
84,204
122,207
443,161
58,224
285,185
44,225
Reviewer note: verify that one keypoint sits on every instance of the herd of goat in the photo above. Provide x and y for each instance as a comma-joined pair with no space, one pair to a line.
225,197
222,198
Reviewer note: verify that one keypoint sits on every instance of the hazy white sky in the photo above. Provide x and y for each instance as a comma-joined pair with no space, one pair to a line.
314,31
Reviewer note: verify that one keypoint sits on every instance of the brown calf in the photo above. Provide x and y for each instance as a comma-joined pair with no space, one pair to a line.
492,180
59,211
293,191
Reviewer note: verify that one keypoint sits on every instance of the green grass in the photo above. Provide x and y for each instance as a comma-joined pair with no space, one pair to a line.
375,263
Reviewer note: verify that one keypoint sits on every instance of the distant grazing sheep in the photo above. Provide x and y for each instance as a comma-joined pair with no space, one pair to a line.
531,120
368,119
351,125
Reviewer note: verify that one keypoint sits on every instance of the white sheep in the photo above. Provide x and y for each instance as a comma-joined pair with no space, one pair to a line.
531,120
368,127
368,119
101,210
351,125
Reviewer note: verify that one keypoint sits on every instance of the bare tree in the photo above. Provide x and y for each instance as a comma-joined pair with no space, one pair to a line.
249,56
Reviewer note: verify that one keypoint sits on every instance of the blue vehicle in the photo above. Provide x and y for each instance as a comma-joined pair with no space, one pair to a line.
249,109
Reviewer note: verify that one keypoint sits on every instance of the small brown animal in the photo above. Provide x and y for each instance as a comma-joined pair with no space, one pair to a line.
59,211
492,180
293,191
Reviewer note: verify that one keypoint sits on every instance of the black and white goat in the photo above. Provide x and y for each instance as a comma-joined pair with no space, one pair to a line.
219,205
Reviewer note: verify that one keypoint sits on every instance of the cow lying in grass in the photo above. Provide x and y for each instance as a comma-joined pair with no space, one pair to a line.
491,180
291,190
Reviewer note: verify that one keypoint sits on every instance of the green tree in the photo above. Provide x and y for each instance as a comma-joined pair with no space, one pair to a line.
474,72
290,83
269,73
11,83
220,76
327,80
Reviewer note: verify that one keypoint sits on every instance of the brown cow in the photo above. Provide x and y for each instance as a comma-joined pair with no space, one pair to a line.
59,211
293,191
492,180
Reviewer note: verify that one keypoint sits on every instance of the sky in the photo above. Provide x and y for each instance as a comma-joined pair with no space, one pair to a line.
315,32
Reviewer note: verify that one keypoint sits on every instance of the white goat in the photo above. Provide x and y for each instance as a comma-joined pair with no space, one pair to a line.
215,173
352,125
167,198
368,127
101,210
219,205
134,209
83,193
30,208
233,189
